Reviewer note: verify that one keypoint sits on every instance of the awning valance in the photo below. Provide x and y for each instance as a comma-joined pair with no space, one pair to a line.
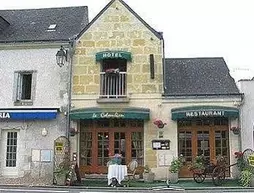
113,54
203,111
102,113
28,114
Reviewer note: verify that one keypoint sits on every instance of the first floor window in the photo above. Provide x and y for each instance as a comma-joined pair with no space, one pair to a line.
24,85
11,150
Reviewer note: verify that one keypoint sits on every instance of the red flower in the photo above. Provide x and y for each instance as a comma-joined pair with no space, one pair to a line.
159,123
238,154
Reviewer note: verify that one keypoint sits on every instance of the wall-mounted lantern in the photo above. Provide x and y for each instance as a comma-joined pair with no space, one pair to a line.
61,56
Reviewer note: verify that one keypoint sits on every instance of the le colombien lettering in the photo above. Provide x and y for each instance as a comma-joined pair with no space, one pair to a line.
108,115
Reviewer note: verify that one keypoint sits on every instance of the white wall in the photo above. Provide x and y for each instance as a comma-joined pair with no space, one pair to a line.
247,113
50,92
51,83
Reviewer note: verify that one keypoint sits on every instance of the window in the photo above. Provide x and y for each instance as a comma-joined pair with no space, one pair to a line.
24,85
11,151
113,78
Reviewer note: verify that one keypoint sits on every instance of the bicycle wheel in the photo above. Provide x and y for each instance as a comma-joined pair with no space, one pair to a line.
246,154
218,175
199,177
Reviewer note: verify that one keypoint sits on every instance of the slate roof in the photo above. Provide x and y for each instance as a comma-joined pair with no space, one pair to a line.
156,33
198,76
32,24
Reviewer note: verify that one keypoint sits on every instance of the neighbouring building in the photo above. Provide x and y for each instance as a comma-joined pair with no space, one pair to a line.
34,90
247,122
128,98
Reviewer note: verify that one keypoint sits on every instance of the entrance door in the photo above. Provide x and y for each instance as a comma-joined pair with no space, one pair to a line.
10,152
98,142
202,137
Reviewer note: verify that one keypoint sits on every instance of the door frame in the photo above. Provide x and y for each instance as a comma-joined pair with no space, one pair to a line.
194,128
94,129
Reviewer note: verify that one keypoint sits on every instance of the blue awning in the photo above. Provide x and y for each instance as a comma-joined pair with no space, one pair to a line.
203,111
28,114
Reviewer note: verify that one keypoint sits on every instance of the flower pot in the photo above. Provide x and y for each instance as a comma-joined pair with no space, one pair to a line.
198,171
236,132
148,177
173,178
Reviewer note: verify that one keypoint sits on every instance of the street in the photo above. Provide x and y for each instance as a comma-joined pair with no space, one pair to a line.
93,190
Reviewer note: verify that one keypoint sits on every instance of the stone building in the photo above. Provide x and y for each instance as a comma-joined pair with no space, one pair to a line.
116,89
34,90
127,98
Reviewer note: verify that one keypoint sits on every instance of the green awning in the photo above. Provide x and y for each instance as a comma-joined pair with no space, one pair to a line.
203,111
113,54
101,113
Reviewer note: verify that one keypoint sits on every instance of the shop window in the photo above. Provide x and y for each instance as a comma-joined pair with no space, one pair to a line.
113,78
183,123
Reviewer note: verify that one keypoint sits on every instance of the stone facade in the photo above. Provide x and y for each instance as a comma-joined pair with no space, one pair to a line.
118,29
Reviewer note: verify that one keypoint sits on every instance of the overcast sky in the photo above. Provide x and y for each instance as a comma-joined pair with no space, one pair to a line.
191,28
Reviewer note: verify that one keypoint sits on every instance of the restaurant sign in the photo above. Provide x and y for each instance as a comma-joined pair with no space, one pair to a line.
28,114
5,115
209,113
107,115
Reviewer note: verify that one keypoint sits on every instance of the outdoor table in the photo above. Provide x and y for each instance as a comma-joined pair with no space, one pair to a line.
116,171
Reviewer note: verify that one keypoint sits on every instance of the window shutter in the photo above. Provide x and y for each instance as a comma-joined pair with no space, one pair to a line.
18,86
15,86
151,66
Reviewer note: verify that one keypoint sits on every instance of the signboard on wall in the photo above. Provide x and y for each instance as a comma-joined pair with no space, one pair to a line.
161,144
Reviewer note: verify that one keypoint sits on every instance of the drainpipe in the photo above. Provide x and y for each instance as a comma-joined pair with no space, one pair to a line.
71,48
163,62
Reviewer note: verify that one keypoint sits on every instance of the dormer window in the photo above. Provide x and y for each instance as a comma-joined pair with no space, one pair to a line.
52,27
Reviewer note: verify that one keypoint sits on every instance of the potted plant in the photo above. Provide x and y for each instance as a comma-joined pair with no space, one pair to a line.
112,72
246,177
148,175
61,171
236,130
198,164
174,168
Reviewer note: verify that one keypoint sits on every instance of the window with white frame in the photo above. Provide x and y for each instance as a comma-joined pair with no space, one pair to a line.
11,150
24,86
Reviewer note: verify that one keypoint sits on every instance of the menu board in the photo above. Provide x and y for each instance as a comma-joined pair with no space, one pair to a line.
161,144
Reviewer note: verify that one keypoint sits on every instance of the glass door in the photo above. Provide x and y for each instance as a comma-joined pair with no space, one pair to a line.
119,145
185,149
203,144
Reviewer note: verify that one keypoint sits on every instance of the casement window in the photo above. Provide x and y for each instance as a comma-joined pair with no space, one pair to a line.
11,149
113,78
24,86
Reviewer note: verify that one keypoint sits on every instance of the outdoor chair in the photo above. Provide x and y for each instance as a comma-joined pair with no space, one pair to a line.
131,170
